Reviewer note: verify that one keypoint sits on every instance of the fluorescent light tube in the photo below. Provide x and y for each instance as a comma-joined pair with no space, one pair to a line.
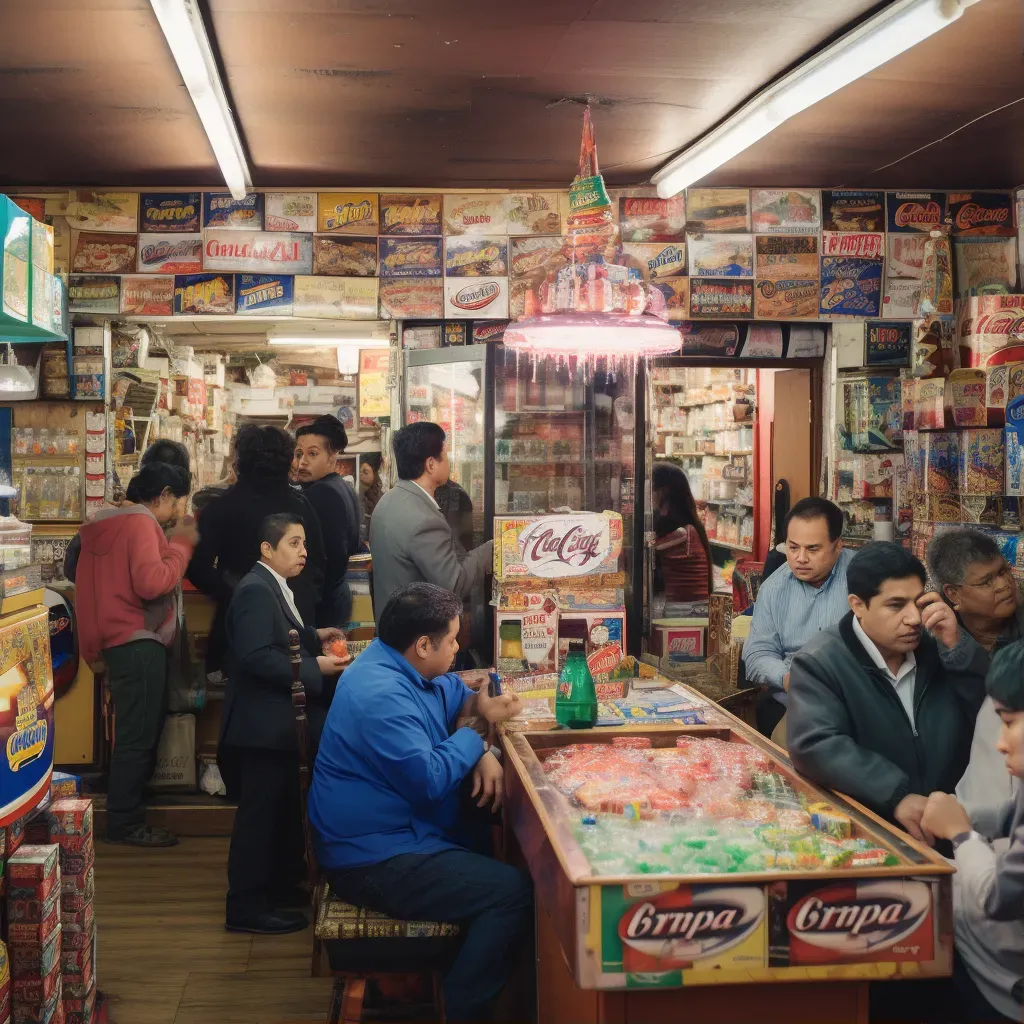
326,340
901,26
182,25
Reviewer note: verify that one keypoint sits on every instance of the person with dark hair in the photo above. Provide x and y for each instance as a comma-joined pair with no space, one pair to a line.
882,706
229,530
796,602
371,487
410,539
988,903
317,447
385,800
265,860
682,555
128,573
974,577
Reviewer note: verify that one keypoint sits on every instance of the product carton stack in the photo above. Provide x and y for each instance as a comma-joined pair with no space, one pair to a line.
34,934
71,829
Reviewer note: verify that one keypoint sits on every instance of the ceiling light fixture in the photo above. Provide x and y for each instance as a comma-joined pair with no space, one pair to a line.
182,24
899,27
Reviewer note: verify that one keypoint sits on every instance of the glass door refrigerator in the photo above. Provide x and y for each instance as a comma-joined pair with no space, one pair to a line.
567,439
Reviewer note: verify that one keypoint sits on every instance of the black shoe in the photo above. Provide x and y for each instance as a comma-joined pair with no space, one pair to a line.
295,897
270,922
144,835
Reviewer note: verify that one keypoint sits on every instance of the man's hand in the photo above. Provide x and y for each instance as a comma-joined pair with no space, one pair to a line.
944,817
938,618
330,665
186,529
329,633
489,781
785,682
496,710
909,812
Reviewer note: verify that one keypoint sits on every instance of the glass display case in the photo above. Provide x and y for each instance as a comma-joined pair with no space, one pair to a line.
449,387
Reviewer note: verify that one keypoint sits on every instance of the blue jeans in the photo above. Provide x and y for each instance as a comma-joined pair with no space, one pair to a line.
491,901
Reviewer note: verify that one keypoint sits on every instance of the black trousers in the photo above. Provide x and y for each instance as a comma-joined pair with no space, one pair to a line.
137,678
768,713
267,853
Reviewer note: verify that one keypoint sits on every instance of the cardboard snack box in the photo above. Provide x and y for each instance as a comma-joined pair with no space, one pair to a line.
981,462
79,892
568,545
71,823
34,870
77,926
81,1010
36,961
33,991
35,933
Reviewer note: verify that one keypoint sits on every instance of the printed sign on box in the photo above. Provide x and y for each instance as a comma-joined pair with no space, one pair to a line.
717,209
289,211
146,295
650,219
258,252
222,210
850,286
170,254
786,257
170,211
347,213
412,298
655,259
985,266
867,244
410,257
849,210
204,293
475,214
779,300
915,211
104,253
902,298
475,256
103,211
785,211
709,339
344,298
91,293
887,344
410,214
721,255
341,256
981,213
479,298
374,366
557,546
905,256
727,299
670,298
257,294
533,213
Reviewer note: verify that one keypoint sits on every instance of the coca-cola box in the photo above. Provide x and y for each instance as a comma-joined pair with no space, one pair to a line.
555,577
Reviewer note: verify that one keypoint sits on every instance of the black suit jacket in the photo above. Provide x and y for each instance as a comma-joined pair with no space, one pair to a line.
229,547
258,704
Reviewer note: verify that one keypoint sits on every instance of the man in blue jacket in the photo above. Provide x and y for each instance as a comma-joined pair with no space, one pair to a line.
385,803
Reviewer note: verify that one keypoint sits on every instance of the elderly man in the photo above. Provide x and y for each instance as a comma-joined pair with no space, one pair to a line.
796,602
969,569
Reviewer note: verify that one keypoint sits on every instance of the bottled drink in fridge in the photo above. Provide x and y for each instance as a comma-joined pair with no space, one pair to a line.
576,700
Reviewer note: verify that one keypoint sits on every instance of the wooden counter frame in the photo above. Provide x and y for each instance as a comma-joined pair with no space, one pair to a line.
565,885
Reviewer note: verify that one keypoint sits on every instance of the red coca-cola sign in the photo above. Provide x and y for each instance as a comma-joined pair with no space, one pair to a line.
558,546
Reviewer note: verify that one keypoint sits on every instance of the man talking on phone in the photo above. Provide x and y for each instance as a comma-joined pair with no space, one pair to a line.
882,706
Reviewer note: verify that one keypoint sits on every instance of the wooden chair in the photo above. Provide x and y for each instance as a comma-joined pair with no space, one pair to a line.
358,943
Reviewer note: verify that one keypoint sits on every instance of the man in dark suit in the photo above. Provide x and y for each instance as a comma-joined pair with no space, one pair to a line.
265,867
410,539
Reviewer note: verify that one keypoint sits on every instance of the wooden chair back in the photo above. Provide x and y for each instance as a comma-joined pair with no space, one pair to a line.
305,768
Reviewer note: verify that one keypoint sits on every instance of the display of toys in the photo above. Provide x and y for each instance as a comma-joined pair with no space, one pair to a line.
705,806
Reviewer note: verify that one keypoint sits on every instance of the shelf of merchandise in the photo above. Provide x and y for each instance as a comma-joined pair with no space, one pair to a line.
730,547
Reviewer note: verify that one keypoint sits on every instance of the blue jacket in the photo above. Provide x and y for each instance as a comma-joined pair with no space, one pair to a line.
387,775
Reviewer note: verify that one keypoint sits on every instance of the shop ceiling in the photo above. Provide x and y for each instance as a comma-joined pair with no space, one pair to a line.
476,93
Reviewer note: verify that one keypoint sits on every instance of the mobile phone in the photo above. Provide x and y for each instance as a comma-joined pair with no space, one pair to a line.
493,684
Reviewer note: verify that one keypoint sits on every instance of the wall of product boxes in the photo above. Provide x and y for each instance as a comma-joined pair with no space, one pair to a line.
774,254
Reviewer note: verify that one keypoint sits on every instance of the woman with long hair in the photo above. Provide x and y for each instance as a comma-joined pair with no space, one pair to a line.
681,551
371,487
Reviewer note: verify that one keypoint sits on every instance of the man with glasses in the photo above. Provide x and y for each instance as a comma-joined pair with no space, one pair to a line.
969,569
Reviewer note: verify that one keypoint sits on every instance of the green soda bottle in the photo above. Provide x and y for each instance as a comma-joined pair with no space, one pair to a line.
576,700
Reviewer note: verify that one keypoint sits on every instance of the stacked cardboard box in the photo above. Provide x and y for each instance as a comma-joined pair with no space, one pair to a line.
33,916
71,829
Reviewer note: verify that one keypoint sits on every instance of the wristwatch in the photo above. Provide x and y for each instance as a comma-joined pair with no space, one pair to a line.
961,837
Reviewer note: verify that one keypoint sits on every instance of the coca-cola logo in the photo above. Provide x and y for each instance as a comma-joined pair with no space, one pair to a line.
971,215
692,924
918,215
860,918
476,296
563,548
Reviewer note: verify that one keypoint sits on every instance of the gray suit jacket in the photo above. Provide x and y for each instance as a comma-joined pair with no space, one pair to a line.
411,542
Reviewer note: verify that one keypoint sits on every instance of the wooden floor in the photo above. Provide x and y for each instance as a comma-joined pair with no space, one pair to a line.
165,958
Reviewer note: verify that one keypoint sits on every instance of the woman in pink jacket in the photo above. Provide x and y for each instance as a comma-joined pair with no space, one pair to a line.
127,575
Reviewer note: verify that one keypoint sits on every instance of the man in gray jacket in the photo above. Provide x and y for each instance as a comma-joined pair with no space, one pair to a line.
988,973
410,539
882,706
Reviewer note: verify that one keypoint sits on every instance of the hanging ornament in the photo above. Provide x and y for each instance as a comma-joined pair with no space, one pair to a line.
594,306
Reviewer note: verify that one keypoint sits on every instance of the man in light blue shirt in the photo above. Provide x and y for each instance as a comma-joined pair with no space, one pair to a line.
798,600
